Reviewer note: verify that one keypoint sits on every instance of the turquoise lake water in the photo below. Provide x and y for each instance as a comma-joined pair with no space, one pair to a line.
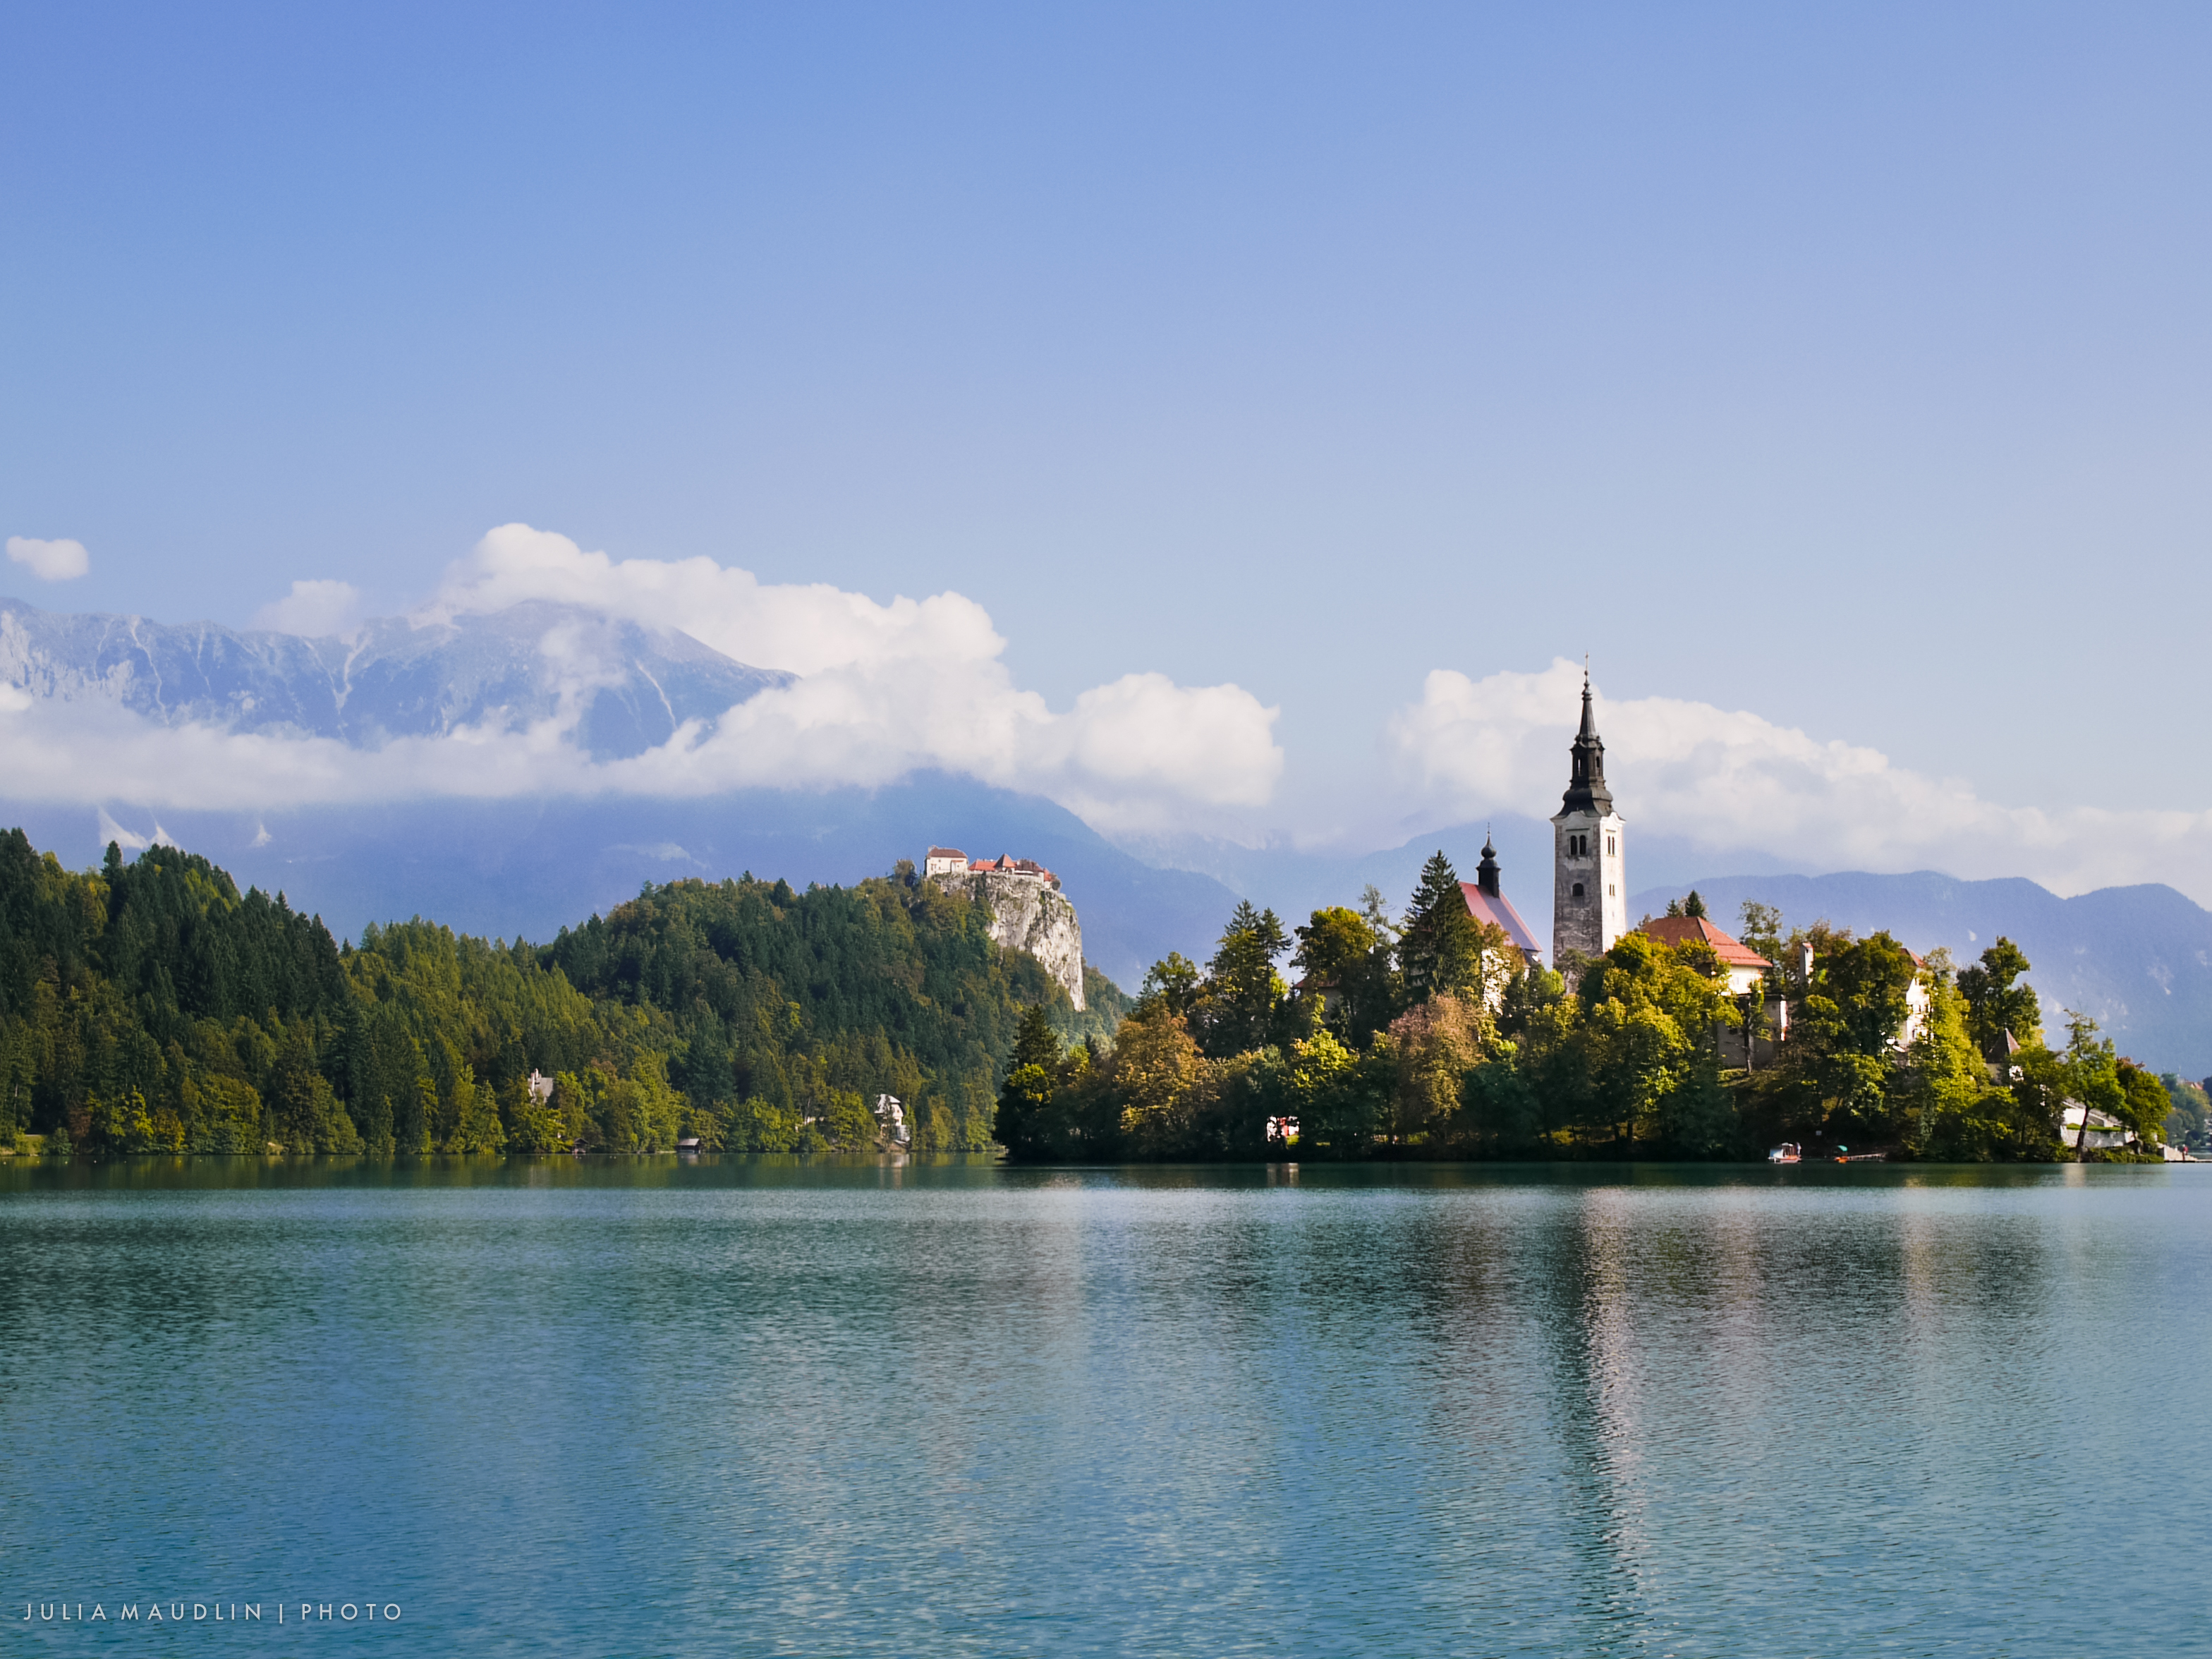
824,1406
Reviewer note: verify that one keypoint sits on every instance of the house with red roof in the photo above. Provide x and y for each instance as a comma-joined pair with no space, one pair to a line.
1745,967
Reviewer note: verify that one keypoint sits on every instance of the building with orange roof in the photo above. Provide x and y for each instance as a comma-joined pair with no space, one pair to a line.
1745,967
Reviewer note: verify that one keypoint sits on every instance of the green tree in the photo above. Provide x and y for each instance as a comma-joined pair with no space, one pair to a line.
476,1128
1160,1082
1868,981
1952,1109
1642,1014
1501,1107
1431,1048
2145,1106
1327,1095
1346,962
1026,1094
1238,1008
1759,929
1173,983
1440,952
1696,1117
1996,1004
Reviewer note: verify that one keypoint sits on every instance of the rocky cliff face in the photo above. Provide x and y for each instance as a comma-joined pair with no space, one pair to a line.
1031,915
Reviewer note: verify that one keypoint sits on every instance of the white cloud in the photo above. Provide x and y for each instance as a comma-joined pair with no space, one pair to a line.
1731,781
50,561
885,689
315,609
881,690
804,628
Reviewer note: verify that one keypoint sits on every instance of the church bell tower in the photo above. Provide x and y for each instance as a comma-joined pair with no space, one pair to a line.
1590,890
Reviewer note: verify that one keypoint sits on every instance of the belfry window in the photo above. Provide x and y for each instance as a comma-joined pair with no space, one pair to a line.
1579,890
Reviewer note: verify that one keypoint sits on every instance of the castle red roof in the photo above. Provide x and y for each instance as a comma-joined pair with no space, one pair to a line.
1498,910
1671,931
944,853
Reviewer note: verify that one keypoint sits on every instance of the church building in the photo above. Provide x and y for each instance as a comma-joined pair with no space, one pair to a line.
1589,887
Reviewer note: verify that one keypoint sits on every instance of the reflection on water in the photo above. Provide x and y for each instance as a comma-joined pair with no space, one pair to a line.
782,1405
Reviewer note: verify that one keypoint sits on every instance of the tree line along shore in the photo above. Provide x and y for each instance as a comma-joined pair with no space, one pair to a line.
149,1006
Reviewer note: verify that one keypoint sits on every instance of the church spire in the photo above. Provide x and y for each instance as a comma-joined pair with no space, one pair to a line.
1486,873
1586,788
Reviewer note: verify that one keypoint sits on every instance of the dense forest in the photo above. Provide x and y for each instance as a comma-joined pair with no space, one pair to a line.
149,1006
1430,1037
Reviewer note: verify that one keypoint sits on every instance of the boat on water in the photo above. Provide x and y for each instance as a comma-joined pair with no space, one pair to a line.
1788,1152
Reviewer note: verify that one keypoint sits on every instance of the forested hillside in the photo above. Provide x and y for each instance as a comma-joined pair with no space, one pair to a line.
151,1007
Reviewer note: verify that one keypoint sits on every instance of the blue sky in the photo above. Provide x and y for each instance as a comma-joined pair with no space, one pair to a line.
1844,366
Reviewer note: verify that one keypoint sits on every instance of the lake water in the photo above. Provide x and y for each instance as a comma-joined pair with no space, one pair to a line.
825,1407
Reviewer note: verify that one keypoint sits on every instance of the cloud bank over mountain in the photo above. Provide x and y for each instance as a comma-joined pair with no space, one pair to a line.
1734,783
854,692
540,669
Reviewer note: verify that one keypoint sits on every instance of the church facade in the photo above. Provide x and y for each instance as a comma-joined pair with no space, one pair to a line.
1589,883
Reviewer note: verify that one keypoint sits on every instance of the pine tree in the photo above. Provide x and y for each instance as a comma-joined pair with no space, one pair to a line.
1028,1089
1440,949
1243,990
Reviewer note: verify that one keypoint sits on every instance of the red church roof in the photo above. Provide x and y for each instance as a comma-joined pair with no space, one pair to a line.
1498,910
1681,930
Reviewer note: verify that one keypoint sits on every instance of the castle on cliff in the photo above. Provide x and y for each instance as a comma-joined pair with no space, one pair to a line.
1028,910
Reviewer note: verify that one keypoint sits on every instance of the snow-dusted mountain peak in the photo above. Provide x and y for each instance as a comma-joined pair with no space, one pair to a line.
621,687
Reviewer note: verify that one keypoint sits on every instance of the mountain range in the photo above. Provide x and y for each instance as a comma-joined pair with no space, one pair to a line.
628,687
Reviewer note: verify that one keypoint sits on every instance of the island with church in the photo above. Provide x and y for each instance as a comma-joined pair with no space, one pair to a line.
1447,1031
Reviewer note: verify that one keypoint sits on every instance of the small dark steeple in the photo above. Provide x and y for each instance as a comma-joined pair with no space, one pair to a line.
1586,790
1486,873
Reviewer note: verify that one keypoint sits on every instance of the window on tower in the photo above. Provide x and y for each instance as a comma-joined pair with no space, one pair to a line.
1579,890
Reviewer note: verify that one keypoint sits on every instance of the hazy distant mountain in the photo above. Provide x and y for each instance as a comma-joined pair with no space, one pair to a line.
530,866
2137,959
631,686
